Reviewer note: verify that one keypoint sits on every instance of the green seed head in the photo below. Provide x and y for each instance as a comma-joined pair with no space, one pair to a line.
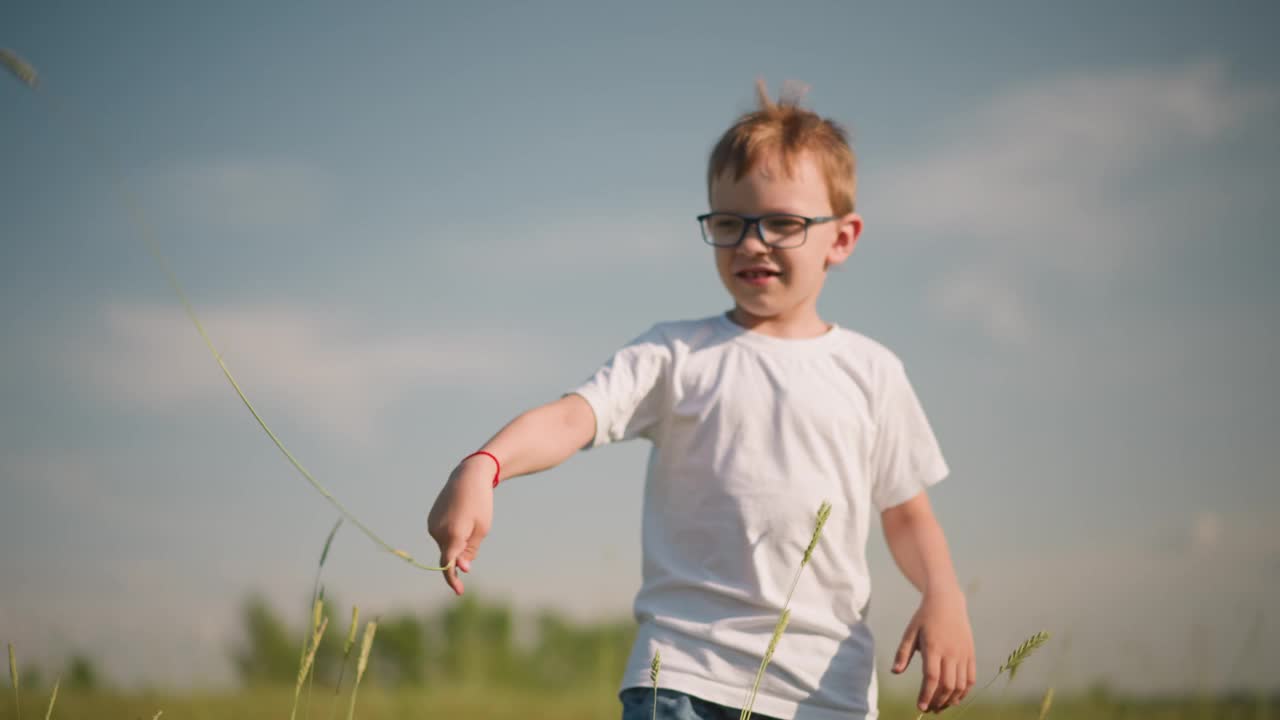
1022,653
824,511
329,541
351,634
778,629
316,609
655,666
366,646
20,68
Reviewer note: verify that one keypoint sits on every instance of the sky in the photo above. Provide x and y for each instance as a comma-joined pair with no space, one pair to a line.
404,225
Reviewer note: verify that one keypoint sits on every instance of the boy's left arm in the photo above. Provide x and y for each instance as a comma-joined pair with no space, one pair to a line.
940,627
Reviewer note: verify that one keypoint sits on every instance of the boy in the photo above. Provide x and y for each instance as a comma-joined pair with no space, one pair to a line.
756,416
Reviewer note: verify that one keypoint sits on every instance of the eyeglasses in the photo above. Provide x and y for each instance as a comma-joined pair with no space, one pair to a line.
779,230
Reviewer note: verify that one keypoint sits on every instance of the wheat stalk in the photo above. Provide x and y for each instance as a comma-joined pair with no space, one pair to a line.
309,660
53,697
1024,651
346,653
1046,703
1011,664
366,645
13,677
654,669
318,625
824,512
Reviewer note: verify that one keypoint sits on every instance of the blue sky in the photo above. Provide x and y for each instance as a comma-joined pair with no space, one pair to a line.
405,225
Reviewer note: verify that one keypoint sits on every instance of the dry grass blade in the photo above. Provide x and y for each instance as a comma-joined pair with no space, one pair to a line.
1046,703
53,697
25,73
157,715
13,678
20,68
1022,653
365,647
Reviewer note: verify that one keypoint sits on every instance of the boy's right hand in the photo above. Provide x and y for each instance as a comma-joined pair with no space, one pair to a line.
462,516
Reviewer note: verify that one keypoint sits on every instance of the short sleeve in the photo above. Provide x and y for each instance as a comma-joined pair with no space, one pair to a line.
626,392
906,458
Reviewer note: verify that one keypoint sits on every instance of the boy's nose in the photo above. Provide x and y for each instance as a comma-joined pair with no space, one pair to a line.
753,243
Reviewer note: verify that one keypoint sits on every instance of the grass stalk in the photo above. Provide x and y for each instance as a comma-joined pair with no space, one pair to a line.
366,645
53,697
317,593
346,653
27,75
1011,665
824,512
13,678
1046,703
654,669
320,624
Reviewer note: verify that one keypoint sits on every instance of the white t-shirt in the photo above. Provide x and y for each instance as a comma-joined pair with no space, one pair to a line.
751,433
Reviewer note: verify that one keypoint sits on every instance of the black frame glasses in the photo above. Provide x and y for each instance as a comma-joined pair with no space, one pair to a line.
771,235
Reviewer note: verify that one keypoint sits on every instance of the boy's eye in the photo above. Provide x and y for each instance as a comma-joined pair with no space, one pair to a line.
783,225
726,224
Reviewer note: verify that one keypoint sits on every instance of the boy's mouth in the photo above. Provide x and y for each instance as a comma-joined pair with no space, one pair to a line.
757,277
757,273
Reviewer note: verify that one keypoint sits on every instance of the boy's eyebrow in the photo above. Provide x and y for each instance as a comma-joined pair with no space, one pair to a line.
762,213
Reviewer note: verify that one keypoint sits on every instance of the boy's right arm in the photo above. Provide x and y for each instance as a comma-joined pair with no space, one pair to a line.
536,440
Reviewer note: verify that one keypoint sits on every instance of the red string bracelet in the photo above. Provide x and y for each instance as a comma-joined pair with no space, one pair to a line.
497,472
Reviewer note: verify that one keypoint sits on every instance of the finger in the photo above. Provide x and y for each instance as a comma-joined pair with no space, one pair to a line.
965,683
929,685
946,675
906,649
448,560
468,554
972,675
954,685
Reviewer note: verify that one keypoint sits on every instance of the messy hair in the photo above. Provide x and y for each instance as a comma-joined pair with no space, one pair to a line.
784,129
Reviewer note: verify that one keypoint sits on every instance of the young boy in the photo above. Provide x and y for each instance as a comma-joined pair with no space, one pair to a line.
756,416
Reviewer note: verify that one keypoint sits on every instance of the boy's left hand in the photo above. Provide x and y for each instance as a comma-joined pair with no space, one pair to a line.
940,631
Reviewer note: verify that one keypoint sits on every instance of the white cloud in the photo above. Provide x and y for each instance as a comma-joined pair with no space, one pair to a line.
987,297
1062,177
590,242
243,192
318,366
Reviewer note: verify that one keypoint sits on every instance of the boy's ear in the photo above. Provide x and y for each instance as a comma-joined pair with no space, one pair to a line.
848,231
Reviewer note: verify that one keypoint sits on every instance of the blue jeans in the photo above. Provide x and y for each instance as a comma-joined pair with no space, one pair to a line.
637,704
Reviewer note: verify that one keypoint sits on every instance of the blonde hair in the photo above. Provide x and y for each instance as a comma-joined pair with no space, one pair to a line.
785,128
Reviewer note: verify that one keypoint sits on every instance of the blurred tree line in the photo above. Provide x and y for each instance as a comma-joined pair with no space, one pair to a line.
468,644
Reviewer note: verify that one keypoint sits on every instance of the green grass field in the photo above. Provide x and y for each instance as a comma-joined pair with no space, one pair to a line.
481,703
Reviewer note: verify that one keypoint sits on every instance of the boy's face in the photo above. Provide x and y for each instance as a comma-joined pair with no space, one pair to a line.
790,296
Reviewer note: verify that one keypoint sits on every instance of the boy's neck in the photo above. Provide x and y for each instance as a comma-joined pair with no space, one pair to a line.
807,325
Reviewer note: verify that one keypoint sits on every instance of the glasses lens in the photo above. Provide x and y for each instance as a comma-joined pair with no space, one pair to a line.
784,230
722,229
